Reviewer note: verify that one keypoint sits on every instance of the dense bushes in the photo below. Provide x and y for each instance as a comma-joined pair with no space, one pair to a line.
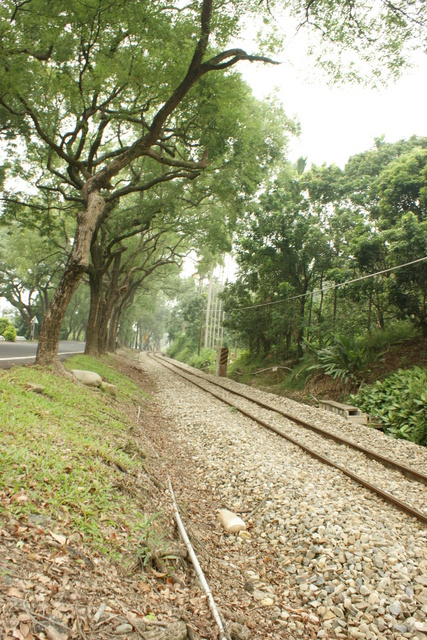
7,330
184,350
10,333
400,402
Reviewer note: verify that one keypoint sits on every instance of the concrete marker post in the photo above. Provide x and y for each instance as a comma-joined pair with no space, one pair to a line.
221,368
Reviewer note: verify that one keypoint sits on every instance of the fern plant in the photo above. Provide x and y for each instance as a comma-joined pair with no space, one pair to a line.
343,360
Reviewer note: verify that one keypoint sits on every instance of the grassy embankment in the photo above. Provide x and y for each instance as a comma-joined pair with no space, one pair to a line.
66,455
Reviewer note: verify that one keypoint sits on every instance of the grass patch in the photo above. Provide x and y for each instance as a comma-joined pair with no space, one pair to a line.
273,374
104,366
397,333
64,455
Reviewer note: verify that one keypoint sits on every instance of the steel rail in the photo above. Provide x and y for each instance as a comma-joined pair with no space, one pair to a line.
370,453
403,506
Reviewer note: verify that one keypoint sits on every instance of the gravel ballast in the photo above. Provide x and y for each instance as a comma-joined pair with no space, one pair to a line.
321,556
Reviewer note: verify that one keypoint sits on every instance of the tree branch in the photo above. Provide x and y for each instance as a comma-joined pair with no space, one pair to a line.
58,150
148,185
182,164
232,56
43,57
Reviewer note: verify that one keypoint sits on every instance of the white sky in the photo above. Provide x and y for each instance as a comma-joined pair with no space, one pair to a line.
338,122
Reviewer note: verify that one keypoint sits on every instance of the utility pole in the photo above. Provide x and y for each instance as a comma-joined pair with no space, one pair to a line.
219,322
208,307
201,332
214,317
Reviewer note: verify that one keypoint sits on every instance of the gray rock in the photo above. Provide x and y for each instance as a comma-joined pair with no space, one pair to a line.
124,628
381,624
37,388
395,608
238,631
402,628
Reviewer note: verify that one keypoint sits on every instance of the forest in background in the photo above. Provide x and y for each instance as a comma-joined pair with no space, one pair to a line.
306,295
130,141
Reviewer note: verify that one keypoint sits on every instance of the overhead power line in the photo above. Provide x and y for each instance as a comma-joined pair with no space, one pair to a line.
332,286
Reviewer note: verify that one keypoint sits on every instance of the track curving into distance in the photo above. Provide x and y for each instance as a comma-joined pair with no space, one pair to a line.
340,447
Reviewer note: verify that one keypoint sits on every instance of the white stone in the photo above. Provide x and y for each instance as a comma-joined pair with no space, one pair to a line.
374,598
231,521
89,378
395,608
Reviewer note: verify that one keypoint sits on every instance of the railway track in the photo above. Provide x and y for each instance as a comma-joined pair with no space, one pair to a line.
336,451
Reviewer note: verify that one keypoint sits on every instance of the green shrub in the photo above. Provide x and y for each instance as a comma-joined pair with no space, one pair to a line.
400,402
177,345
4,324
343,359
10,333
204,360
184,355
247,361
184,350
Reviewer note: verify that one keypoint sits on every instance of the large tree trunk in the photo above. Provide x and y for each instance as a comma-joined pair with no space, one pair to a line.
101,299
266,344
103,329
95,310
380,311
97,329
113,294
77,264
123,302
107,305
113,330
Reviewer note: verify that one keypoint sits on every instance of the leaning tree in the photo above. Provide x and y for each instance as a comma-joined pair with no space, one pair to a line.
94,89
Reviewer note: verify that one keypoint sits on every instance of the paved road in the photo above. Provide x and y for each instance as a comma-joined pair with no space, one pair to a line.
15,353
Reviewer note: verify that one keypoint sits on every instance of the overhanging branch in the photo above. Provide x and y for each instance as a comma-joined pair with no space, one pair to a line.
132,188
